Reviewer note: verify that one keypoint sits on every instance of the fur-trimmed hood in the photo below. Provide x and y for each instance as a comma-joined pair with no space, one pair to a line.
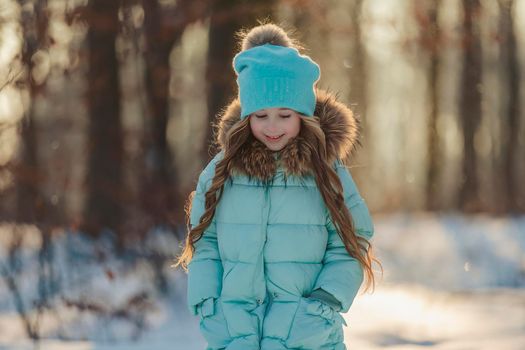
339,124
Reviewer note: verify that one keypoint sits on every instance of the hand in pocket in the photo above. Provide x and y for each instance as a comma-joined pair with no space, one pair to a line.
312,325
213,324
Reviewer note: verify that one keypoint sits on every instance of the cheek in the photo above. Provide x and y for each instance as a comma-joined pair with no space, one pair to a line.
255,127
294,127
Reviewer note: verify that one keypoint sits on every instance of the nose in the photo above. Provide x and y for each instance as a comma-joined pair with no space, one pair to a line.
271,126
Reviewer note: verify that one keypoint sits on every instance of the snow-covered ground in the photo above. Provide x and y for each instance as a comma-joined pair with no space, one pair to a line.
450,282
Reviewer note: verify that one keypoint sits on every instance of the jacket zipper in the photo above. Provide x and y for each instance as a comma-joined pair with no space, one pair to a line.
264,228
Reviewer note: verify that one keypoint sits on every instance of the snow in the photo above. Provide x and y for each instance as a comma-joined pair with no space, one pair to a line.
450,282
415,317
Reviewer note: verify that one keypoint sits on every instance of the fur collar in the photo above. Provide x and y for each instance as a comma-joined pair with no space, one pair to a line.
340,126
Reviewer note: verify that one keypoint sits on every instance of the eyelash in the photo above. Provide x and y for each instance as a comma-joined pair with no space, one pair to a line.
282,116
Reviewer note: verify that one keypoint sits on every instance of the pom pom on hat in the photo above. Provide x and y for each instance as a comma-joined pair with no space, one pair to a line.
270,75
267,34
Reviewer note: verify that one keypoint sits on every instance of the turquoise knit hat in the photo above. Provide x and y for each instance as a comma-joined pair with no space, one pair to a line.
276,76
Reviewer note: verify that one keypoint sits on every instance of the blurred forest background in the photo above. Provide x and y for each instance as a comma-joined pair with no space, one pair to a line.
105,123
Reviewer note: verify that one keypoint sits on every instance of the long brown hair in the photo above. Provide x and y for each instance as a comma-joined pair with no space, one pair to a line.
327,180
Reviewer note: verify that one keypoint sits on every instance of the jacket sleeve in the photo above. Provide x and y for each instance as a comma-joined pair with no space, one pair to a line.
342,275
205,269
325,297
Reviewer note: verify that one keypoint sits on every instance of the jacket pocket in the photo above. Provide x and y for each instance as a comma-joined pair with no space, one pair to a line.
213,325
337,335
313,325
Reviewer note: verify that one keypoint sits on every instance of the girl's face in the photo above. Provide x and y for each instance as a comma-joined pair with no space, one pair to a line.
275,126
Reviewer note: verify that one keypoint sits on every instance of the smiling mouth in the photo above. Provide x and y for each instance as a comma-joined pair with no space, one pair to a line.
273,138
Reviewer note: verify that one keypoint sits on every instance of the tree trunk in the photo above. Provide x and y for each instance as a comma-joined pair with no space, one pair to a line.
358,83
105,151
31,204
163,29
431,41
158,178
510,122
470,105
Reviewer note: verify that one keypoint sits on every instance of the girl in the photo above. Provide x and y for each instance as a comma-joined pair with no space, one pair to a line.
279,239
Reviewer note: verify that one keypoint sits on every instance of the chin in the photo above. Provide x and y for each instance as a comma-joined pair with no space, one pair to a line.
275,148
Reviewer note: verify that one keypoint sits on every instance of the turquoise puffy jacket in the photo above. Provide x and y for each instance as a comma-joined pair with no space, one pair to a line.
270,245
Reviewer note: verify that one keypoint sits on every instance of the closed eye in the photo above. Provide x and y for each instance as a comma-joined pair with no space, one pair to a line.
286,116
260,116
